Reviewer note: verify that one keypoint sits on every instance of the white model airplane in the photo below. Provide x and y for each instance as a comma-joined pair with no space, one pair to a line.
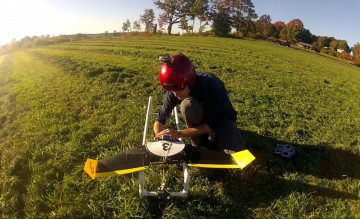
164,152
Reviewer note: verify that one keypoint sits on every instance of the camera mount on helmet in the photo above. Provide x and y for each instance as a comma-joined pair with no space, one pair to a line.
166,58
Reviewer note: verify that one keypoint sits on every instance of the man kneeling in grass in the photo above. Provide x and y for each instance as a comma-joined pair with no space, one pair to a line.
204,105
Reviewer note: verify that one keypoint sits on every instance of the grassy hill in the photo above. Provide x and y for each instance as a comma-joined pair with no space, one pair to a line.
64,103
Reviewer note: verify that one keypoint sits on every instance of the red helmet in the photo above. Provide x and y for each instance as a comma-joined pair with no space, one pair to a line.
176,72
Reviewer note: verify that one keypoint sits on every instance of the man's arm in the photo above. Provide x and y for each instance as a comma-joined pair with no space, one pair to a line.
189,132
169,102
158,127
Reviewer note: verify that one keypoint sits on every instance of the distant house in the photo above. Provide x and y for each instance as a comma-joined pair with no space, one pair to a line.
340,50
304,45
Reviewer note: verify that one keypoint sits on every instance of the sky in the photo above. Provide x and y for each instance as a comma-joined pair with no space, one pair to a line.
20,18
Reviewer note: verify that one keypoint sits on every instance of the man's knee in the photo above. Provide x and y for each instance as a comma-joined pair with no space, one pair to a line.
192,112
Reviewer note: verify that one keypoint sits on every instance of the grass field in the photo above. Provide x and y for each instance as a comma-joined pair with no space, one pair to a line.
64,103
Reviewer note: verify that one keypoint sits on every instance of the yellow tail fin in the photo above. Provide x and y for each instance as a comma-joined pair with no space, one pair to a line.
90,168
243,158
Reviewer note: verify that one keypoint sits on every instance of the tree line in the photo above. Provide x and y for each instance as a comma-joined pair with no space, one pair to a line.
226,18
236,18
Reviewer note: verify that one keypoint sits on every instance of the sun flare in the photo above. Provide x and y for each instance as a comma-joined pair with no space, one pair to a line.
26,18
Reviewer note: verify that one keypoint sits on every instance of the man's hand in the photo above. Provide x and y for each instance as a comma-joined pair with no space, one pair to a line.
173,133
159,131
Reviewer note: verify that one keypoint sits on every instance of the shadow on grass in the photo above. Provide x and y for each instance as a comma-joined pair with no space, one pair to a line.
320,161
262,183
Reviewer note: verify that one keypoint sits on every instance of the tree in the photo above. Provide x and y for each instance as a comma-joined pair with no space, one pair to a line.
356,53
184,25
148,19
136,25
26,42
321,42
344,46
243,16
221,25
228,14
345,55
221,17
200,10
306,36
324,41
161,25
13,45
315,47
334,44
279,25
264,25
126,25
175,11
292,31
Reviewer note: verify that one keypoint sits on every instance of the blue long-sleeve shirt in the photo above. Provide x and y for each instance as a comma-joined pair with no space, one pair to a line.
210,92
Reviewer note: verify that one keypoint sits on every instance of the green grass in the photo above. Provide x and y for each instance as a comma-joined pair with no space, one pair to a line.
64,103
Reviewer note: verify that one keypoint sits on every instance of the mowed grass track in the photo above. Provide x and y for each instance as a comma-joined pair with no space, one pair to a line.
68,102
